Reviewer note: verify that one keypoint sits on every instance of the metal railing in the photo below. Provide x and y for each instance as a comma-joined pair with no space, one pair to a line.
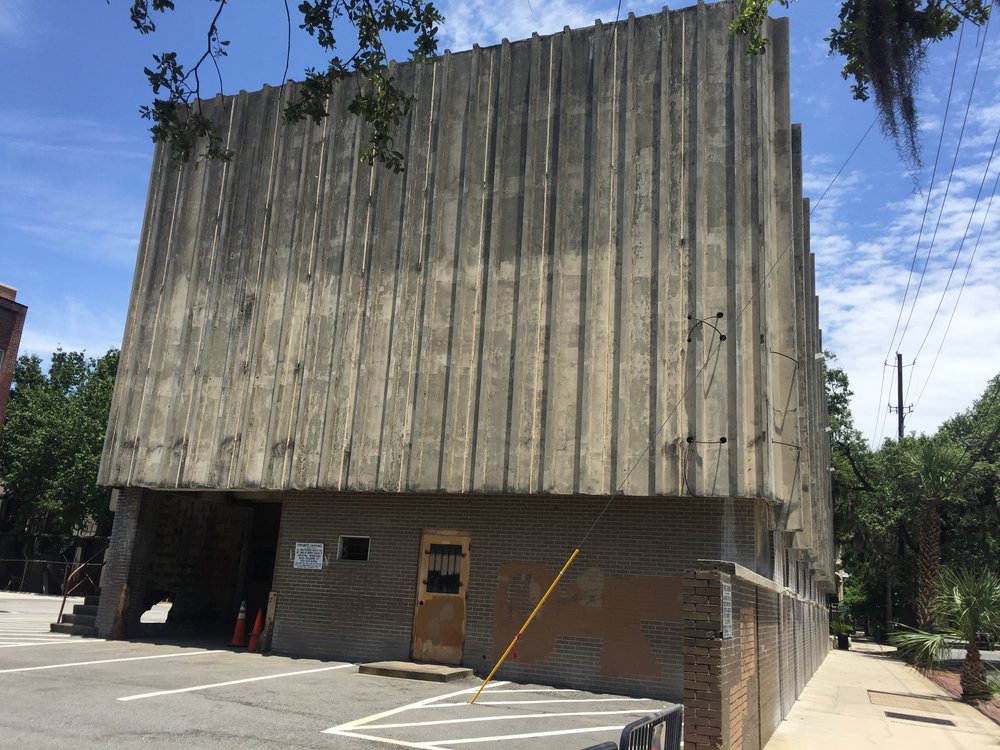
68,578
657,731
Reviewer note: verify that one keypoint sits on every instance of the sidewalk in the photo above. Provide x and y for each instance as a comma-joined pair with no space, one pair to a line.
862,699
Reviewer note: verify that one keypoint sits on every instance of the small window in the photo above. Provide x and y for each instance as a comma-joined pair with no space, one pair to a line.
353,548
444,569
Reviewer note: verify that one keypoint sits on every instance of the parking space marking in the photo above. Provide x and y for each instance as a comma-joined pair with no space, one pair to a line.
385,740
393,711
546,700
106,661
521,710
519,717
528,736
53,642
193,688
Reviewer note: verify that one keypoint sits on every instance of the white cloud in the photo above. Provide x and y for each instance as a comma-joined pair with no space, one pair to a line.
71,323
478,21
13,20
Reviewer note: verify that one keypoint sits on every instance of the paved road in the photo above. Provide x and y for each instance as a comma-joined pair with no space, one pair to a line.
58,692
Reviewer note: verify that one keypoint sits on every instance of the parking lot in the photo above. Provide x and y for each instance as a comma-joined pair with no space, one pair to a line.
61,690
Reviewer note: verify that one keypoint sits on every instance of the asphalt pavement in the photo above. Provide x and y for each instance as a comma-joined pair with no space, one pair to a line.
65,691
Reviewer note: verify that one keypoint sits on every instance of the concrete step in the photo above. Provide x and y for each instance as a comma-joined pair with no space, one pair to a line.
92,600
69,629
85,609
88,620
411,671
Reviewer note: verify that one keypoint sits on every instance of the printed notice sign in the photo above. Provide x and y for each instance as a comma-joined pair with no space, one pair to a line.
727,610
308,555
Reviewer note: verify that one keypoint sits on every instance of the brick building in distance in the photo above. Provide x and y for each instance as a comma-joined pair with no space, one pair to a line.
584,316
12,315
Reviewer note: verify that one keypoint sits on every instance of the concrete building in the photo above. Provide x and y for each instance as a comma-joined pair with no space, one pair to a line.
584,317
11,324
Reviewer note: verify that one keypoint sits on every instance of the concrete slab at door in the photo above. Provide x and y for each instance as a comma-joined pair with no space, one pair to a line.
442,583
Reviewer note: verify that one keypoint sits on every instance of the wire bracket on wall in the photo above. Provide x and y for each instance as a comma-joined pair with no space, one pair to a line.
707,322
692,441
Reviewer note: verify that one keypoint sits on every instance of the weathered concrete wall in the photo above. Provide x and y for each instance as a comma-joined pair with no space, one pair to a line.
534,307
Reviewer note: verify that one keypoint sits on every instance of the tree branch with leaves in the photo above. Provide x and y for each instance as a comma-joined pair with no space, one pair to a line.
176,111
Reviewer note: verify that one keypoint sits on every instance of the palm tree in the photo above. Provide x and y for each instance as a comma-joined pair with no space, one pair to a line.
965,603
933,466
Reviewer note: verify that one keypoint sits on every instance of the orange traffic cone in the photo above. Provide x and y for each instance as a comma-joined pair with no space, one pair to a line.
258,626
240,631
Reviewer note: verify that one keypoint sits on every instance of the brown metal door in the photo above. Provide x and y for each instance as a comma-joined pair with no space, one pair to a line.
439,618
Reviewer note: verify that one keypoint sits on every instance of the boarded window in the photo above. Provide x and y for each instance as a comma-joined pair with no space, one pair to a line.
444,568
353,548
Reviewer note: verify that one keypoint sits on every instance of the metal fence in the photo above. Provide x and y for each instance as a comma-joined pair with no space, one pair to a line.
658,731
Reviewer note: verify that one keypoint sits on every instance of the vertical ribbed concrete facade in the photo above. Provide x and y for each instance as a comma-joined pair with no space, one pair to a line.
594,274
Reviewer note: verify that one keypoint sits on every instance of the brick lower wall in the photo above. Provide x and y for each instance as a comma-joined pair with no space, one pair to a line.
614,623
181,545
738,686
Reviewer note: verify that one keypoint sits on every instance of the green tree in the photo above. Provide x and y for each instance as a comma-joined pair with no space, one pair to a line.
965,603
176,111
933,466
52,439
971,530
884,45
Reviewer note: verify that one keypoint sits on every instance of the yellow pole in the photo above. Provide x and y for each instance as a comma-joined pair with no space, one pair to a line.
526,624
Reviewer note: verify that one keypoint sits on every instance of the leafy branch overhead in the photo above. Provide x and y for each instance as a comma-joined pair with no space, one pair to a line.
884,45
176,112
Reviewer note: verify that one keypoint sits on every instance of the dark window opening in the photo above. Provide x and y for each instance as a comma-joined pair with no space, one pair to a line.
444,569
353,548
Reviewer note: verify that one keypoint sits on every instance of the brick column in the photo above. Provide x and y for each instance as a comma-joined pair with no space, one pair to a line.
706,701
127,559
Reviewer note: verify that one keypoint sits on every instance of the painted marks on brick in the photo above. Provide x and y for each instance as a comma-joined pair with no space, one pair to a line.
593,605
506,715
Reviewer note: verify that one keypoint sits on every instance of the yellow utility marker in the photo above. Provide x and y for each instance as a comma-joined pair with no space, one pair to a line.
526,624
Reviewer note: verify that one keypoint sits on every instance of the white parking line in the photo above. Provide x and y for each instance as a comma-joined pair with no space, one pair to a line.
519,717
68,639
528,736
231,682
392,712
550,700
361,728
105,661
386,740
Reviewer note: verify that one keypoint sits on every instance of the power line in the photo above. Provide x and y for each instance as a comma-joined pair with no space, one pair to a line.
880,425
951,173
975,248
711,357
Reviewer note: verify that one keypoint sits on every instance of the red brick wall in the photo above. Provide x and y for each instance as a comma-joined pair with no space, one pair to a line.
11,324
737,689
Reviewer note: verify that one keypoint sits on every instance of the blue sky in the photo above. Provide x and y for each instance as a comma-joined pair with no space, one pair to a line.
75,159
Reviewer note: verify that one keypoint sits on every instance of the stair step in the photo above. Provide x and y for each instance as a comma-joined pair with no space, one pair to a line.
64,627
92,600
75,619
85,609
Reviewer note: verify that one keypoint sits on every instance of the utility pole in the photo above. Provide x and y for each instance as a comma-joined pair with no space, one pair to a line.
901,410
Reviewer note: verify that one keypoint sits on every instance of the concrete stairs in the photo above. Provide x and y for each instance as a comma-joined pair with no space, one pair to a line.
82,621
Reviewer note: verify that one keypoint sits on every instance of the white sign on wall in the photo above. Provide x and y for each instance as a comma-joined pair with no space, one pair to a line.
727,610
308,556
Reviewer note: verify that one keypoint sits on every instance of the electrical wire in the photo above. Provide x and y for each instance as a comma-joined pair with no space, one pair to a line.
880,425
958,147
711,358
975,248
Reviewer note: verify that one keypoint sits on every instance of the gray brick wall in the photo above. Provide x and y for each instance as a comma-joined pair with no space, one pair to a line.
364,610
